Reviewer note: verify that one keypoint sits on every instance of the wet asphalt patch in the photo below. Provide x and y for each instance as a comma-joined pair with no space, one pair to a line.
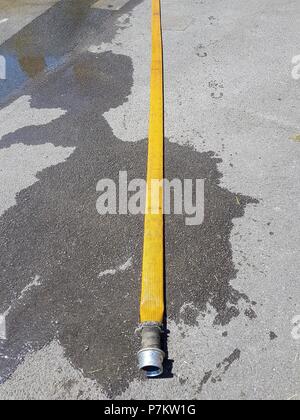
46,42
221,368
200,267
55,232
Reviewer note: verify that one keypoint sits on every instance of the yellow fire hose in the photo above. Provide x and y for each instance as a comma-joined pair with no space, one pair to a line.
152,298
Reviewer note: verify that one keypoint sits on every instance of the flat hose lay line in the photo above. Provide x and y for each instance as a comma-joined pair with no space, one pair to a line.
151,355
152,299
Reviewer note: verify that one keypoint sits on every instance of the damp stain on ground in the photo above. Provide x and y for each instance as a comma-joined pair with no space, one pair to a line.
55,232
221,368
199,265
44,44
272,335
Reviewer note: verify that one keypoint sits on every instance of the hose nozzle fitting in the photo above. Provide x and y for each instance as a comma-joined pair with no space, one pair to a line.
151,356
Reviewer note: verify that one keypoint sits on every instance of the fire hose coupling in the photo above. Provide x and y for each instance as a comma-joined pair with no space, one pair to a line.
151,356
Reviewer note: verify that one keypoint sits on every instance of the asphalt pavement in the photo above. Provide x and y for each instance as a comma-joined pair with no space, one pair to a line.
74,110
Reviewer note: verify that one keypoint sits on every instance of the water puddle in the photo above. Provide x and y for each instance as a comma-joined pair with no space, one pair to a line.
43,44
21,68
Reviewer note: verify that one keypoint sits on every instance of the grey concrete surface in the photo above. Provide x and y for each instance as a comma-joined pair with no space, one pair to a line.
81,115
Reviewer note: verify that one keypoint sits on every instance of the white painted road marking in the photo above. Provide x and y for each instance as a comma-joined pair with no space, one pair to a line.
2,68
4,20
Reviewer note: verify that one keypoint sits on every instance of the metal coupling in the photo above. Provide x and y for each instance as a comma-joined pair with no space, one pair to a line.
151,356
